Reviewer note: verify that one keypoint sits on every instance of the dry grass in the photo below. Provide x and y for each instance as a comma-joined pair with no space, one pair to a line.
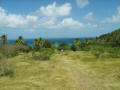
64,71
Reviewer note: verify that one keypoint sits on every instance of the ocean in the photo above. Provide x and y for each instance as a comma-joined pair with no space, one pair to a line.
58,40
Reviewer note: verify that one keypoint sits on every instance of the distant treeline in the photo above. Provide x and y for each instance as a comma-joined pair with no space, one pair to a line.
110,39
105,46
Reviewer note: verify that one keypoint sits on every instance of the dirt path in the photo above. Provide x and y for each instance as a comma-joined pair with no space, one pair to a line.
82,82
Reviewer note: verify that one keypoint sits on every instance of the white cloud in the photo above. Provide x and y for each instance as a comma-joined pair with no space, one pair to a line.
53,10
68,23
82,3
48,20
114,18
90,17
2,10
16,21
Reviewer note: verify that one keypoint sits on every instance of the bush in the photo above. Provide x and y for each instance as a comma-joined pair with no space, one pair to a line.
5,69
97,54
9,50
64,46
7,72
13,50
22,48
85,48
43,54
75,47
114,52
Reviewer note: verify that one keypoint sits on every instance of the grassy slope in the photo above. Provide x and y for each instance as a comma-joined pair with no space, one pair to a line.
65,71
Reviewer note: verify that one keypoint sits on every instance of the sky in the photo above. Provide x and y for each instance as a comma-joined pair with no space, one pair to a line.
58,18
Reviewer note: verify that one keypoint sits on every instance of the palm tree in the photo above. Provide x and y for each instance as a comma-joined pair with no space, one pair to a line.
20,41
4,39
36,44
40,41
47,44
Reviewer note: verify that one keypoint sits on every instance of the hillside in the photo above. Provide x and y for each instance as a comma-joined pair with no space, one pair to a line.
113,37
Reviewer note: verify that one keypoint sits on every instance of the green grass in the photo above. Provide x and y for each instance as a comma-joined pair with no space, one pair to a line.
64,71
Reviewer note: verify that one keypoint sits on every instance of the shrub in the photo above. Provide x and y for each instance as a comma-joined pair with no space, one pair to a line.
85,48
97,54
13,50
74,47
43,54
5,68
47,44
22,48
114,52
9,72
8,50
64,46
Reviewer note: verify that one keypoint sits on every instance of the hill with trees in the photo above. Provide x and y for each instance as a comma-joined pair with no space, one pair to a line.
111,38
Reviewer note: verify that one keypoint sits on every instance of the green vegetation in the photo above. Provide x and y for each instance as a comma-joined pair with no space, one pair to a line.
112,38
76,45
89,65
64,46
43,54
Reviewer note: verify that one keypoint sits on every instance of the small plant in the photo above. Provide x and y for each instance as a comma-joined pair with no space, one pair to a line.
9,72
97,54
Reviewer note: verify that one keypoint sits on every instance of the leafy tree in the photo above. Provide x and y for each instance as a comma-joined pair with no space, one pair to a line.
76,45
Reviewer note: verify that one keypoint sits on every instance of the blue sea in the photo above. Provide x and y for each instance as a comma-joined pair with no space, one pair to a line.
58,40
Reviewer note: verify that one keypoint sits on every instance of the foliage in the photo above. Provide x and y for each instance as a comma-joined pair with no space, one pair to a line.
8,50
5,68
97,54
20,41
4,40
40,43
112,38
114,52
47,44
36,45
76,45
13,50
43,54
63,46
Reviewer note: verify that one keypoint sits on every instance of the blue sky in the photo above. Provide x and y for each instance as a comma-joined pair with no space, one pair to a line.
58,18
